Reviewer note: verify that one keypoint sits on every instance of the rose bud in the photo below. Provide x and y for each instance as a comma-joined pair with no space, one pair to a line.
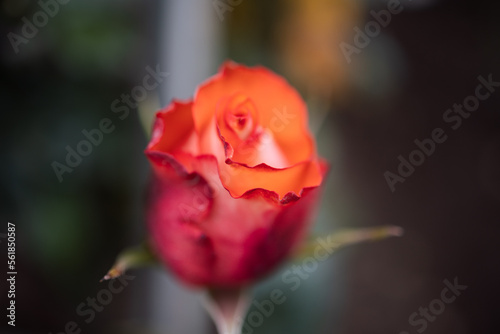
235,178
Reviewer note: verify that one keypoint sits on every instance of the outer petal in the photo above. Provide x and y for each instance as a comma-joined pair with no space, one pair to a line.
174,133
209,238
175,218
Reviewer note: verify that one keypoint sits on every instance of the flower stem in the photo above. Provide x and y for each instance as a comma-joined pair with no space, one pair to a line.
227,307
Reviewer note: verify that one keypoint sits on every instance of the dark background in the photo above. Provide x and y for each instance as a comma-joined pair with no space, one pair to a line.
394,91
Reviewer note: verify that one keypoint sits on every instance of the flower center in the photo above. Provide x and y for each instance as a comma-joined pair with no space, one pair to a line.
240,116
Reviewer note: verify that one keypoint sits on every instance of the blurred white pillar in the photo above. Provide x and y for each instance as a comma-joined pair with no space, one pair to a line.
190,45
189,50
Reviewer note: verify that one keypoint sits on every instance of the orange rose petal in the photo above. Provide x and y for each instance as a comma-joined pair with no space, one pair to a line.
173,129
280,108
239,179
287,124
290,196
196,133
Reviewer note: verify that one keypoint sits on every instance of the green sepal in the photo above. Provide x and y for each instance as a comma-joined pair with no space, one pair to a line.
347,237
133,257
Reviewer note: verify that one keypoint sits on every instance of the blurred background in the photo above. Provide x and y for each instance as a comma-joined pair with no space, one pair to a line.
64,63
